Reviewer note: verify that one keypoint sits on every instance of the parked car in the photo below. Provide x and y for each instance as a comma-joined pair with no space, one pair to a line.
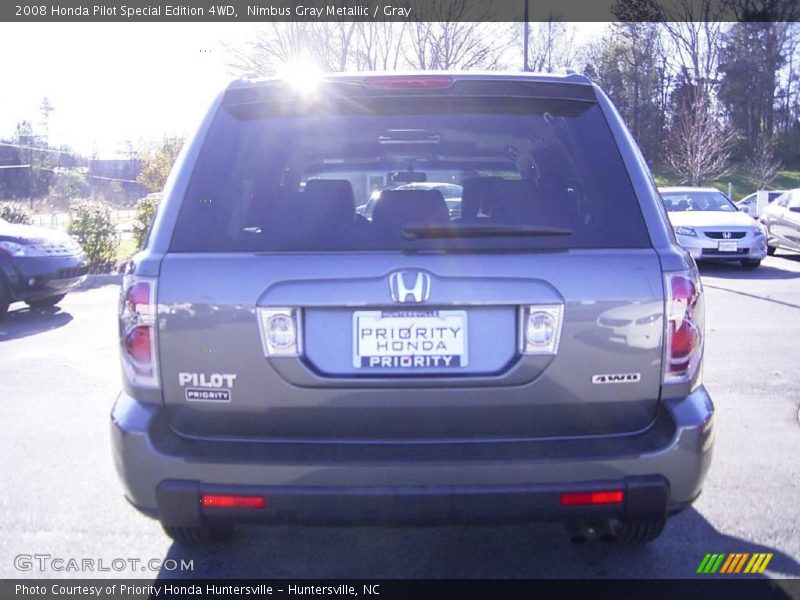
782,222
710,227
411,367
755,203
633,326
37,265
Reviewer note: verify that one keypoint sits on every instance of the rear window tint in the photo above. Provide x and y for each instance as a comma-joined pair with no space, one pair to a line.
355,174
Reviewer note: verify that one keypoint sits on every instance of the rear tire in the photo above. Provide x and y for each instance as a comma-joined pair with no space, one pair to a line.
639,531
199,535
751,263
45,302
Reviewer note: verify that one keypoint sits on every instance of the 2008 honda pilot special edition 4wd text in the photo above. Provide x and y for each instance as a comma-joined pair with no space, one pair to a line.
533,353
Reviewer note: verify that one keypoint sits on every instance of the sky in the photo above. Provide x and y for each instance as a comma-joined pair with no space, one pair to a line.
110,83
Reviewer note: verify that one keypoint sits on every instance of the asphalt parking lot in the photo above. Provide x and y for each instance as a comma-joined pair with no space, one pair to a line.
61,498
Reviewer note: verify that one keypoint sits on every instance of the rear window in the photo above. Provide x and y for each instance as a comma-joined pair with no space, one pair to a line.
697,200
450,173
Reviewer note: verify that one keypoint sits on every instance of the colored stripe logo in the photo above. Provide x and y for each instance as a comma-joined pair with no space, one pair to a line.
728,564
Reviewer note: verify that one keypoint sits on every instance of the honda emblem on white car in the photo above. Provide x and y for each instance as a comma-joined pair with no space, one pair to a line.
410,286
726,235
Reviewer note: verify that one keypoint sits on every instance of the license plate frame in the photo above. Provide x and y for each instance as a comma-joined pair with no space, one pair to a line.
447,349
728,246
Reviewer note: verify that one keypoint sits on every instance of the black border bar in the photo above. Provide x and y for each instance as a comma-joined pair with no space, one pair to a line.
393,589
397,10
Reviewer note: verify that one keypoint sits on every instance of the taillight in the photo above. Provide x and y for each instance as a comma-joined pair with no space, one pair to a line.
232,501
592,498
684,328
137,322
395,82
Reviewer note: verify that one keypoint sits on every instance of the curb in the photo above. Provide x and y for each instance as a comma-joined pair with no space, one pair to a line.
100,279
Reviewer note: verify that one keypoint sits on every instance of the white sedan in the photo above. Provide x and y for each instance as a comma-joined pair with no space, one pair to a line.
710,227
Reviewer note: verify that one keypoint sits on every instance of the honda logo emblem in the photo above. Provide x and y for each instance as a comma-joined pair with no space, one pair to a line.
410,286
726,235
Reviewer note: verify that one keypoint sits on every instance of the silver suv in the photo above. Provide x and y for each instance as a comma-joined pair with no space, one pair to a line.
535,354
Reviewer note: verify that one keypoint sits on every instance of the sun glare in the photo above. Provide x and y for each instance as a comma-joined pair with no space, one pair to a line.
302,74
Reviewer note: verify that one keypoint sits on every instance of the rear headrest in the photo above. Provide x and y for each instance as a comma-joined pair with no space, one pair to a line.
397,208
331,198
476,198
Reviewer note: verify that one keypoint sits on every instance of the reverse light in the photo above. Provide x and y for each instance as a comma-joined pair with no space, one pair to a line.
592,498
137,321
681,230
541,329
280,331
232,501
684,328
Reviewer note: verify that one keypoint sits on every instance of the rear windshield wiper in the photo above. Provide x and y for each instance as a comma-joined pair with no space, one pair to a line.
476,231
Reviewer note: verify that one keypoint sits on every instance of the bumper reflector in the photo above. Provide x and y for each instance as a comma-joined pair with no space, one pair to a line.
592,498
230,501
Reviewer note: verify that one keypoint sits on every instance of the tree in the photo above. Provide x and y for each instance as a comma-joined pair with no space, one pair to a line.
551,44
698,146
335,47
35,181
630,64
447,40
158,162
91,224
380,45
68,185
763,165
452,44
145,213
696,32
275,45
750,60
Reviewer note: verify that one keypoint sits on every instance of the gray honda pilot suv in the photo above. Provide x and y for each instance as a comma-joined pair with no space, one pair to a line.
535,354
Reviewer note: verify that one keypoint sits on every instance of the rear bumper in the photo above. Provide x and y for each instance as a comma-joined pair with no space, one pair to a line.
644,497
660,471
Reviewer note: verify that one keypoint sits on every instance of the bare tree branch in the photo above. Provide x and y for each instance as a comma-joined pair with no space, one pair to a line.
448,42
698,146
551,44
696,30
764,164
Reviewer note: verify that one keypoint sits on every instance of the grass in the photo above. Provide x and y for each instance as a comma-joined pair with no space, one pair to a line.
741,183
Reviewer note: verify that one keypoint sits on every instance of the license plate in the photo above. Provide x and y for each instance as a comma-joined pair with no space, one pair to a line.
728,247
432,339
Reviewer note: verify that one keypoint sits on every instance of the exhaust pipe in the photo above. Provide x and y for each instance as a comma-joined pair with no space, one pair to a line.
580,533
